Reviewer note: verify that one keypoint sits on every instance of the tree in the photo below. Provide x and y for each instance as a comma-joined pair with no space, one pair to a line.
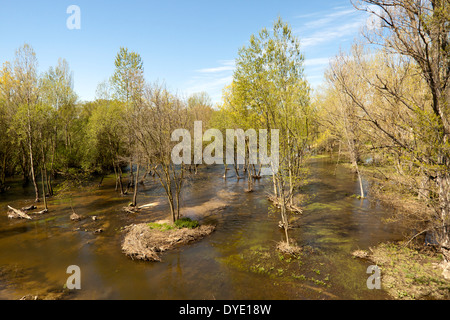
128,84
162,113
26,100
269,87
417,34
106,147
6,140
56,87
342,111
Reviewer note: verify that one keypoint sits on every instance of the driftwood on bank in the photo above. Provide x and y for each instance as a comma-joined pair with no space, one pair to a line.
17,214
29,208
42,212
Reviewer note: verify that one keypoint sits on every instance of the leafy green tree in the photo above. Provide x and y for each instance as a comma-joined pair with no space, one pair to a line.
56,87
26,102
128,87
269,90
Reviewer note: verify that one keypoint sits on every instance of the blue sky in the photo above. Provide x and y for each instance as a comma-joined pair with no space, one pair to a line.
189,45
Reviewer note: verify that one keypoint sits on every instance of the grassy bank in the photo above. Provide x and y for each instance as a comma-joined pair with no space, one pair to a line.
409,273
409,270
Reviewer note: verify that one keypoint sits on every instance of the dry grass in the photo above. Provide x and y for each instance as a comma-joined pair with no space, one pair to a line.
291,249
408,274
361,254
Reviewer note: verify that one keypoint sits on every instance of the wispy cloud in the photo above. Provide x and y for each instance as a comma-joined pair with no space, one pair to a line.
316,62
226,65
340,23
212,79
322,34
329,18
332,34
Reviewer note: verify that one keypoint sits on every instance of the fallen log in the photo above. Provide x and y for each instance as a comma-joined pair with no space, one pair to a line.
149,205
17,214
29,208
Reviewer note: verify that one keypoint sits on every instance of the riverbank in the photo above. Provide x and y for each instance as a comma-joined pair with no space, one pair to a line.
409,273
412,269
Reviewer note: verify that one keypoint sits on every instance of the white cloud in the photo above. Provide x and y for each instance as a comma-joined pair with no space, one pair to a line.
337,24
211,79
226,65
316,62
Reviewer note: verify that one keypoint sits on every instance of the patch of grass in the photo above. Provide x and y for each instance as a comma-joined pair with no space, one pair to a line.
186,223
318,282
298,277
317,271
160,226
322,206
179,224
280,272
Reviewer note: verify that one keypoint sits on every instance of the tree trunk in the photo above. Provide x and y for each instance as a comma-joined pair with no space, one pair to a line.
131,181
136,187
3,174
360,181
43,191
443,181
284,217
33,176
122,192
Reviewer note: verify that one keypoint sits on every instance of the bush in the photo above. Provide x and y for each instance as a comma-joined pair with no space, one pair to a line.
187,223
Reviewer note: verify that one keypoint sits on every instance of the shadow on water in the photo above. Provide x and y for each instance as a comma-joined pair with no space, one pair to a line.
238,261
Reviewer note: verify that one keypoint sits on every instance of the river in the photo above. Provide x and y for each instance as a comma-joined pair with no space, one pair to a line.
237,261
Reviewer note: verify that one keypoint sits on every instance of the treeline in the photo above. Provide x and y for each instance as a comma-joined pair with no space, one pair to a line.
47,132
388,99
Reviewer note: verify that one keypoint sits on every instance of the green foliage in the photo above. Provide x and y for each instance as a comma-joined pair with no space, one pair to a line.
187,223
160,227
128,78
183,223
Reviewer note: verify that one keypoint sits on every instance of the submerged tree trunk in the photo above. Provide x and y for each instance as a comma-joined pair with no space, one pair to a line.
284,217
119,179
33,176
43,192
136,186
360,181
3,174
249,170
225,171
131,181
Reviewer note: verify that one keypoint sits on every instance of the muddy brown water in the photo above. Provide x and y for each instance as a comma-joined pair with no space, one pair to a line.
237,261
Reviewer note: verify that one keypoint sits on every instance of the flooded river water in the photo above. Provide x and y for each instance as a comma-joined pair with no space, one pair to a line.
238,261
